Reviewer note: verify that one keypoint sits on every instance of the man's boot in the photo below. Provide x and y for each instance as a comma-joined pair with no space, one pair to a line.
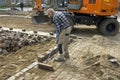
60,58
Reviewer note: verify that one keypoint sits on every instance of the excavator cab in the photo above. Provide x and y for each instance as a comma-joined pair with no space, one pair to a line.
93,7
75,4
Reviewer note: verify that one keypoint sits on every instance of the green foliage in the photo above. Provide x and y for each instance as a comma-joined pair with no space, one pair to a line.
14,5
2,11
9,5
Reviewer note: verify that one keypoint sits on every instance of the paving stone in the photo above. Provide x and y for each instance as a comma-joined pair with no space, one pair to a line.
33,74
17,74
32,65
24,70
21,78
36,78
28,76
4,51
11,78
73,36
0,50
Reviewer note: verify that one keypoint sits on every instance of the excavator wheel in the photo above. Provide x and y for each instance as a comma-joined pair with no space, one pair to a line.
109,27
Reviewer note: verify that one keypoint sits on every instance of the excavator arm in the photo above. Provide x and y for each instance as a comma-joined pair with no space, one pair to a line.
38,5
40,16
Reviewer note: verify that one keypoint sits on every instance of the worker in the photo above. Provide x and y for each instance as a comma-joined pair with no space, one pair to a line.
63,30
21,6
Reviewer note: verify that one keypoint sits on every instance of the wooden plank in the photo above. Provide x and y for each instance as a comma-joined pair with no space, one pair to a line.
55,74
45,66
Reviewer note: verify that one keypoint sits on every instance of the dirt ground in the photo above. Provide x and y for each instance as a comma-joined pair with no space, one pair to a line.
24,23
16,61
90,54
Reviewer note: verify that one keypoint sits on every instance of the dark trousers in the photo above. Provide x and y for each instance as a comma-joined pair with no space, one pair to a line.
60,48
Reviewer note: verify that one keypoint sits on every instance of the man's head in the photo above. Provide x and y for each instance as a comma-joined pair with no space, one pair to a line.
50,12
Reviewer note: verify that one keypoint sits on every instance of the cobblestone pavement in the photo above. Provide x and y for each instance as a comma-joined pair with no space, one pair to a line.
89,60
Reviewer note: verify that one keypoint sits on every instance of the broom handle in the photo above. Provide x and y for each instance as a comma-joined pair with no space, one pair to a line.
50,54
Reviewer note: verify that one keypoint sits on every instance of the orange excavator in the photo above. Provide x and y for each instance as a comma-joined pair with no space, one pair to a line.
89,12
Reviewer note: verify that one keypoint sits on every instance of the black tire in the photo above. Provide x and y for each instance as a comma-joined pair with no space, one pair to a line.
98,22
109,27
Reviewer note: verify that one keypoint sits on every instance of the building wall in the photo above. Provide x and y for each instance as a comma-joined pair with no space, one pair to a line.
1,2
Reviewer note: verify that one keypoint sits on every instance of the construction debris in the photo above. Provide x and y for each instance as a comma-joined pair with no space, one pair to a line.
11,41
105,67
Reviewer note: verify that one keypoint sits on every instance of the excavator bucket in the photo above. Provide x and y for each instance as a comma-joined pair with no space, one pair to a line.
41,19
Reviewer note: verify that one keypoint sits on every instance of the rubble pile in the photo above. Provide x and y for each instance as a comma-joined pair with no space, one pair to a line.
11,41
102,67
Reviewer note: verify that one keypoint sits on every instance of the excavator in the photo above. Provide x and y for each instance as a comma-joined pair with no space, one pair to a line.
101,13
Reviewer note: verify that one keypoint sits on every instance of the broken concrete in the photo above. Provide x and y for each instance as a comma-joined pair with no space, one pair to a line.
102,67
12,40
